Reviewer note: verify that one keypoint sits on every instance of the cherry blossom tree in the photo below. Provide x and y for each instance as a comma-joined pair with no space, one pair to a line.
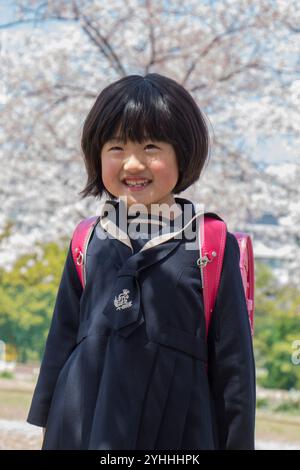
238,58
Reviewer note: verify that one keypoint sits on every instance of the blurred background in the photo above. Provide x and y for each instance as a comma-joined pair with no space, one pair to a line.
240,60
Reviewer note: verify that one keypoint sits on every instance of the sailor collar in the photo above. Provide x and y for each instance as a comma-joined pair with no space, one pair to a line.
113,220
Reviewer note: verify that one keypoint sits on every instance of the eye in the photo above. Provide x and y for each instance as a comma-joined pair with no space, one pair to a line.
151,145
115,148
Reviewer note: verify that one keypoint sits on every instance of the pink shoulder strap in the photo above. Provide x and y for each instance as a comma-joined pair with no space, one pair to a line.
79,244
212,252
247,272
213,238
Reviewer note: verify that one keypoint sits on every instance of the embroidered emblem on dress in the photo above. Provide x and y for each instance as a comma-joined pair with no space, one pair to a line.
122,301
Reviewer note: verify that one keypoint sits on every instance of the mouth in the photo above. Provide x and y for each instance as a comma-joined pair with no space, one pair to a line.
136,184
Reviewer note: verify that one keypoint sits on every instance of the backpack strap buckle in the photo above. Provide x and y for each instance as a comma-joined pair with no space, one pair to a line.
204,260
79,256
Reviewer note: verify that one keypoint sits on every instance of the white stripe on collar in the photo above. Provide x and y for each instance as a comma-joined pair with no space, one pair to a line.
109,226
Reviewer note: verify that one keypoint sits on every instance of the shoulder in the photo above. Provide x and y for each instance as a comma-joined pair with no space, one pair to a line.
230,271
231,257
232,246
84,225
231,249
71,270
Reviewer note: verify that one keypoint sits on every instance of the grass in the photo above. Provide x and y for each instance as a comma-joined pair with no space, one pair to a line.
283,427
276,426
7,374
14,404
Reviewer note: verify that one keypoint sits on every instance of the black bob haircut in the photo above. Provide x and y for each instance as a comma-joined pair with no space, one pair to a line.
152,107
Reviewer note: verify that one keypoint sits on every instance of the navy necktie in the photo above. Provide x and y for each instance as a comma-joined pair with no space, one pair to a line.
124,310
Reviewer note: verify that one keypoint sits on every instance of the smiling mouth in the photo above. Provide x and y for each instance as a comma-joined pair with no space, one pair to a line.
136,183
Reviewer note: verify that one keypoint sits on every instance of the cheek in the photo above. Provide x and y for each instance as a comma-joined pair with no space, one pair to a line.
110,169
165,170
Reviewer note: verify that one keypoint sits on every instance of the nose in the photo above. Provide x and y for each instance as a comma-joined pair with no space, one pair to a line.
133,163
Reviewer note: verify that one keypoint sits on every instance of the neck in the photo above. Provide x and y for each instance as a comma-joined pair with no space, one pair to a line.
167,208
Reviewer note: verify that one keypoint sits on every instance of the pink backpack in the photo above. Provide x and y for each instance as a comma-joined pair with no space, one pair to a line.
210,260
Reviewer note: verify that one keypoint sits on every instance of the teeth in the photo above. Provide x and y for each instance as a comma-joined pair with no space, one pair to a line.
137,183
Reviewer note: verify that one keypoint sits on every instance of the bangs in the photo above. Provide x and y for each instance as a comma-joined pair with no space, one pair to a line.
136,108
143,114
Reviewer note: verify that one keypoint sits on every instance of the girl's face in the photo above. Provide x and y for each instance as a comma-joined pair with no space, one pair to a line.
145,173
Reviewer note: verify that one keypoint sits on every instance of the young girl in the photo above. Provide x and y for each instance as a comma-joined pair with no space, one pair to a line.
127,364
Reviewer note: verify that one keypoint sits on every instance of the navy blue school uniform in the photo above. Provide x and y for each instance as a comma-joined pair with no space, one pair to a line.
126,363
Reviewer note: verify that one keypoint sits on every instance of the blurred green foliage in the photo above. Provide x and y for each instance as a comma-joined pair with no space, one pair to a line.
277,326
27,296
28,292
